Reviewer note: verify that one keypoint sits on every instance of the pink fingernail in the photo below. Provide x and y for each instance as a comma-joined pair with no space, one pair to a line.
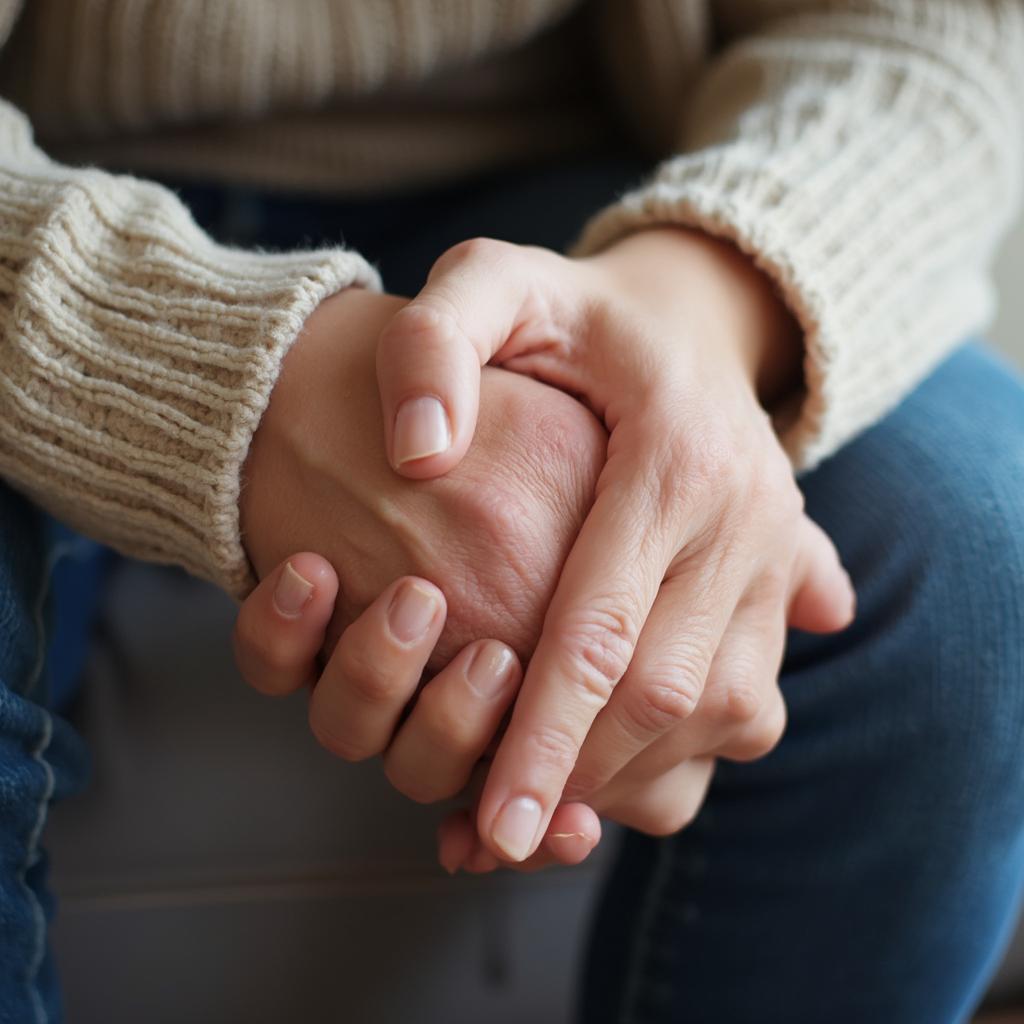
516,827
489,668
421,429
411,613
292,593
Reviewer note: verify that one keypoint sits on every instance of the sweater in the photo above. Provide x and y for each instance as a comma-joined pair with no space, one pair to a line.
864,153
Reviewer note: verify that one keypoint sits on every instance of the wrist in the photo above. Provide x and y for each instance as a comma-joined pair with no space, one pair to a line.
716,293
333,353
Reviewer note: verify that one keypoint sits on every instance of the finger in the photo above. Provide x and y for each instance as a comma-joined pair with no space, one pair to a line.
453,720
741,715
456,840
429,355
744,705
482,862
573,834
280,625
375,669
667,676
606,589
823,599
661,806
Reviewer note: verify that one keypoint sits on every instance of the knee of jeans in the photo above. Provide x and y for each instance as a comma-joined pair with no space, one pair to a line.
928,512
956,610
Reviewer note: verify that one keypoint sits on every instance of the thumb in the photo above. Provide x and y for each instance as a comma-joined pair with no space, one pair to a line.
430,353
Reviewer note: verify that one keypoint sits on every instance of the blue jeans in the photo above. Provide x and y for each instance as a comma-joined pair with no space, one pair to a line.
41,760
869,868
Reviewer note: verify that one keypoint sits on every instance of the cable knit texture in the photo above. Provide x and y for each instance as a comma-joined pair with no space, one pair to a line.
865,153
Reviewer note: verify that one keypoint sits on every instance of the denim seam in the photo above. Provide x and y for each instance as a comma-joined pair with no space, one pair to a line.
38,612
31,853
641,943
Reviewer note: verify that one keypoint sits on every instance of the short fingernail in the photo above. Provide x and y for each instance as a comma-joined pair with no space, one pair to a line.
489,668
292,593
411,613
421,429
516,827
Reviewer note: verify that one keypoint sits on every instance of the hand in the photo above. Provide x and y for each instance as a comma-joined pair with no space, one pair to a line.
696,550
492,535
447,726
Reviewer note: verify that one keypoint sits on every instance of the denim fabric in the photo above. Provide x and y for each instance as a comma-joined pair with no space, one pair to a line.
869,869
41,759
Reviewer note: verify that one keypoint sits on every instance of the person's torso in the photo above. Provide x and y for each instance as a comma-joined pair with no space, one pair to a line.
337,95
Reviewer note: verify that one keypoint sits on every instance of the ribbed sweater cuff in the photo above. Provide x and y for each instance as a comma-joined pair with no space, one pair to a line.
140,358
875,303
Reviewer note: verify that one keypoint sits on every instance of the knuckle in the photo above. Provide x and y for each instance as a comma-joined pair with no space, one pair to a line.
479,248
600,649
658,706
552,750
761,735
413,322
265,651
708,458
741,704
365,678
448,732
420,787
773,490
770,587
665,817
498,514
343,747
584,783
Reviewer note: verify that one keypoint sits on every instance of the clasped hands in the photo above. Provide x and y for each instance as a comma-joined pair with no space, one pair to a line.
606,498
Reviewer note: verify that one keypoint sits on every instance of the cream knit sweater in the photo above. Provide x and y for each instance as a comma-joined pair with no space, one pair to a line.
866,153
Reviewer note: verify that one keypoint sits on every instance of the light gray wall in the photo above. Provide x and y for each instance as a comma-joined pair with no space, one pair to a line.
1008,331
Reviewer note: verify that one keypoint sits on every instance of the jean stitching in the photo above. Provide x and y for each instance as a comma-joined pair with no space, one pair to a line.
31,854
641,944
58,552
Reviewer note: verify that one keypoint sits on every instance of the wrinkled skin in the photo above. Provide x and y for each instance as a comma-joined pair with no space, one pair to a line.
492,534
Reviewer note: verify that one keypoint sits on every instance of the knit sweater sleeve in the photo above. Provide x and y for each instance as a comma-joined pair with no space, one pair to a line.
866,155
137,356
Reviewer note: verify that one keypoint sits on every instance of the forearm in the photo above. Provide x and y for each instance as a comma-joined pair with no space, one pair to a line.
138,355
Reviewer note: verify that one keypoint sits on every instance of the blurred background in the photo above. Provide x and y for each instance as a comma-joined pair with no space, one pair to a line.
1009,328
235,872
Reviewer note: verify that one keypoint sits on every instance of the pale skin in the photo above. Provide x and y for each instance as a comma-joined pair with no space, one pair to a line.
663,637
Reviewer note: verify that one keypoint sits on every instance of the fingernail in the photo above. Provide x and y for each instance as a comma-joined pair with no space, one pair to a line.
488,670
421,429
451,862
292,593
411,613
516,827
